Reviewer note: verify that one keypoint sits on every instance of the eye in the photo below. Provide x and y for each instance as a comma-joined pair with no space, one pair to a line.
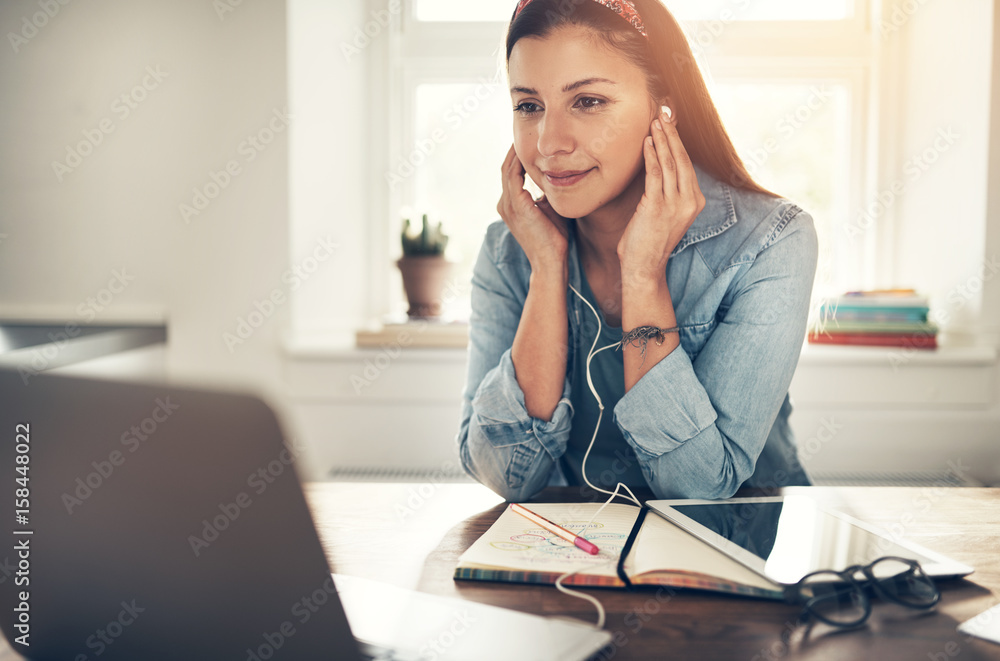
527,108
590,103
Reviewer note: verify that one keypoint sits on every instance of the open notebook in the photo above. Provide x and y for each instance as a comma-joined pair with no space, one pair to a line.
516,550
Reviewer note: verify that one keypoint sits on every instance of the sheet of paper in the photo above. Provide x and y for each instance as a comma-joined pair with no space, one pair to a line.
517,543
986,625
662,545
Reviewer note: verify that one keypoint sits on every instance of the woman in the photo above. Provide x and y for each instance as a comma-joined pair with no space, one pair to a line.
702,279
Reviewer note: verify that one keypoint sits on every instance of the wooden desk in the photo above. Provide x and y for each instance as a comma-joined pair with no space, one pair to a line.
411,535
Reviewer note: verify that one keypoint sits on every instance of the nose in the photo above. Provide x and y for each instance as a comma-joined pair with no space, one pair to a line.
555,134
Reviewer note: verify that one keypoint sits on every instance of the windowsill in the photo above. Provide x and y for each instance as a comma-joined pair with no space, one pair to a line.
944,356
406,344
429,343
328,370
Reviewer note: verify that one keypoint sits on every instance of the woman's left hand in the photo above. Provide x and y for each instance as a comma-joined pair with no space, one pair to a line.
670,204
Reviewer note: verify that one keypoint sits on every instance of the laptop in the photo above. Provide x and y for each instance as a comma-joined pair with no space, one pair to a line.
160,522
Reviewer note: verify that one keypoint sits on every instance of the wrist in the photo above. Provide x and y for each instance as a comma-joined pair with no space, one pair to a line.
647,302
647,282
554,272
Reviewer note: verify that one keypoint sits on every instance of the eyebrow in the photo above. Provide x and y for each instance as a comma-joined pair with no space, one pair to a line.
568,88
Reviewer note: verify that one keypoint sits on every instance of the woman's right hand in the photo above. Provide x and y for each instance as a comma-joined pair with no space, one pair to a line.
539,230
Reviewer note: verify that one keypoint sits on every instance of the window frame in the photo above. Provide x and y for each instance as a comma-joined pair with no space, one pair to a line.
847,50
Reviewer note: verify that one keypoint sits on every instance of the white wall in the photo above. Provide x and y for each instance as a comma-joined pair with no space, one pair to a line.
329,154
991,294
945,93
856,410
223,78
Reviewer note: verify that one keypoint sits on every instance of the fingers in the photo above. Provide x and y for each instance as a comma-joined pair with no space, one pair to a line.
654,171
516,200
511,176
511,170
687,180
664,157
511,155
504,204
679,177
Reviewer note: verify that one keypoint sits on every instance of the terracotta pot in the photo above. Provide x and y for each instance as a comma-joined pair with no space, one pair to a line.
423,280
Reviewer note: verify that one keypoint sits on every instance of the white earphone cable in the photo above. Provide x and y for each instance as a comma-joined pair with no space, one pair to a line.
583,469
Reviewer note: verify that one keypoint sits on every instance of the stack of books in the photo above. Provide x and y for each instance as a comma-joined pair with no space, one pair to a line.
883,317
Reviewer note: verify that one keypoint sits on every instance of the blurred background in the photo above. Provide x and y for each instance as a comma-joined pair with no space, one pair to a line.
212,191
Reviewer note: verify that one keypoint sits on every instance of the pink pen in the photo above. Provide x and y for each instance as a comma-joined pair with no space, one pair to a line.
576,540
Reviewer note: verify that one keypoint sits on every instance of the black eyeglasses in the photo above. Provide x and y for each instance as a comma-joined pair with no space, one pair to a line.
840,599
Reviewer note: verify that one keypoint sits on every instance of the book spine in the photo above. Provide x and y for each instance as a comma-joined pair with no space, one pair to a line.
917,340
677,580
878,328
834,310
534,577
702,582
878,301
877,316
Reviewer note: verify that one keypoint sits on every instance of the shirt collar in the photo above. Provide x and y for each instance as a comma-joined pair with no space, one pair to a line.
718,215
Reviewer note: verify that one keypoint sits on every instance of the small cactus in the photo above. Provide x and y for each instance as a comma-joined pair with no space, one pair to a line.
429,242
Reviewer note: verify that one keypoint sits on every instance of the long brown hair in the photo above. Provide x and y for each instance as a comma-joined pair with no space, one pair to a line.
668,62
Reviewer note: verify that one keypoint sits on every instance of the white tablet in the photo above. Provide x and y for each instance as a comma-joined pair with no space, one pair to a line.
783,538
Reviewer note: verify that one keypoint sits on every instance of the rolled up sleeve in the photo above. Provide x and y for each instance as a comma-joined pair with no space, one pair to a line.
698,427
500,444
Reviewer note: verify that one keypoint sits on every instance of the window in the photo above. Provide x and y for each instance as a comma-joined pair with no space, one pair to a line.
792,79
690,10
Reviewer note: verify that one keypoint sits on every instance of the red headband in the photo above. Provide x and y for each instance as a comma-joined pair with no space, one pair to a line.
623,8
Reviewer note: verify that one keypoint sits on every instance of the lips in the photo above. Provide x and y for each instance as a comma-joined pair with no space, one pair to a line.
566,177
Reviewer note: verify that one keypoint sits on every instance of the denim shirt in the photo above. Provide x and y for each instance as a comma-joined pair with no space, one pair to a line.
708,418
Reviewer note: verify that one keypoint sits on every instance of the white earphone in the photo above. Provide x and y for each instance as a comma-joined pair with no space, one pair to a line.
583,470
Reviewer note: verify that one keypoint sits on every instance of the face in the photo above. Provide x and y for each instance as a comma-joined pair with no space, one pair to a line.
581,113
